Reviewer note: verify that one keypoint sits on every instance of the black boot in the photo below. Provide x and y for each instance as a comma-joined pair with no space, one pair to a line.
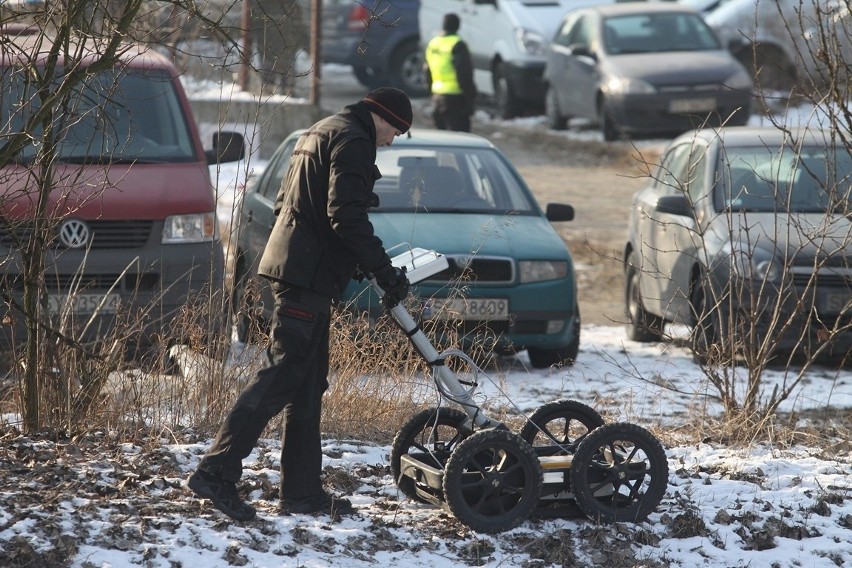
223,494
320,504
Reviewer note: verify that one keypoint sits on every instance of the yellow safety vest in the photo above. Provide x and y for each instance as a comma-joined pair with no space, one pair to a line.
439,58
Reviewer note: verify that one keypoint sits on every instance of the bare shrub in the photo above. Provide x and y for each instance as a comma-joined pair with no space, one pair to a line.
379,380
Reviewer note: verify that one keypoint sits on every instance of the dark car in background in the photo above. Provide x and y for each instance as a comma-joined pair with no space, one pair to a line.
744,234
510,284
379,39
643,68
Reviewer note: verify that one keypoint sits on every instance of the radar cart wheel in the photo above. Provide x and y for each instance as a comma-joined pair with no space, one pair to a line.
619,473
561,424
492,481
430,435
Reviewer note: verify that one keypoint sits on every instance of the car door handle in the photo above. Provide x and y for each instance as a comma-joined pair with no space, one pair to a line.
250,217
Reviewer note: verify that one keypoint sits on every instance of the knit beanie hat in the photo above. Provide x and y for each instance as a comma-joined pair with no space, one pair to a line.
451,23
392,105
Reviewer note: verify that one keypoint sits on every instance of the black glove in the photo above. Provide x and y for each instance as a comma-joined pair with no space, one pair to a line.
394,282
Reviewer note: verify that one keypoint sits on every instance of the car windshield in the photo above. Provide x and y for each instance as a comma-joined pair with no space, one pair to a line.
448,180
657,32
117,116
760,180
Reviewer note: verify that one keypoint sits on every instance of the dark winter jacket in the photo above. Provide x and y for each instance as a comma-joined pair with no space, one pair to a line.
322,231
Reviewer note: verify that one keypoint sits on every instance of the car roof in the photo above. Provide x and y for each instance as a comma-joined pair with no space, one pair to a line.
27,45
628,8
749,135
432,137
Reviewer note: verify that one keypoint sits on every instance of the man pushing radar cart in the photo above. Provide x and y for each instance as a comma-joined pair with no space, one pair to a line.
565,457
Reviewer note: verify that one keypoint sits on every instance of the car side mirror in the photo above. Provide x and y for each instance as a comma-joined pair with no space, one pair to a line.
675,205
559,212
735,45
227,147
580,50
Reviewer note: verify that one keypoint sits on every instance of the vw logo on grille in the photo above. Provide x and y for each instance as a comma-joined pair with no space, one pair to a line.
74,233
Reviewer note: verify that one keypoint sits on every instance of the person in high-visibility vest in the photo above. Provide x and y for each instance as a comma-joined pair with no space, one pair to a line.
448,72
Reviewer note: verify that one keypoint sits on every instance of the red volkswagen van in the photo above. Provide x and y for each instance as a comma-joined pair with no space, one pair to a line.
133,236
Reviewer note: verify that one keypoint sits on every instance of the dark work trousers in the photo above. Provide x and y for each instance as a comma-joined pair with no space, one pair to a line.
451,112
295,377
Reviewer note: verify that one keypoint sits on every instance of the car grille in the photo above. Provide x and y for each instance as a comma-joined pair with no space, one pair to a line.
493,270
809,280
107,234
684,89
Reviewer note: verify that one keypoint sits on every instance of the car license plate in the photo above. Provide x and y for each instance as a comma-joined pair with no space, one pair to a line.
833,303
84,303
467,308
692,105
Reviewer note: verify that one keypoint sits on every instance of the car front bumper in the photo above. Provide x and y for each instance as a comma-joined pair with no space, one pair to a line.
152,291
674,113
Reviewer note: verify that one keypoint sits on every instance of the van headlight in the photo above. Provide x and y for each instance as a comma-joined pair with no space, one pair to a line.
541,270
530,42
196,228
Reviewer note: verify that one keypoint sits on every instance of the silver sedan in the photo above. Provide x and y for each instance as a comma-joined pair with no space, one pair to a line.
643,68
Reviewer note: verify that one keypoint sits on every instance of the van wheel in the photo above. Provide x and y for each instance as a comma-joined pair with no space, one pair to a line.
406,69
507,101
368,77
642,326
555,119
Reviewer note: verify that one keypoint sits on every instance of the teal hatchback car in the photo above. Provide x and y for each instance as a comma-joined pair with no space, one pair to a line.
510,279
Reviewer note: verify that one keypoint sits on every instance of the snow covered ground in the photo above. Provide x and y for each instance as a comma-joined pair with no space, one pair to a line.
91,502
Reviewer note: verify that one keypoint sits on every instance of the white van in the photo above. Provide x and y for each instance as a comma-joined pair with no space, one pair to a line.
506,40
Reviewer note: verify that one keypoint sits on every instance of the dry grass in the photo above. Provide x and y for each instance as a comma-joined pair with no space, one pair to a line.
377,379
377,382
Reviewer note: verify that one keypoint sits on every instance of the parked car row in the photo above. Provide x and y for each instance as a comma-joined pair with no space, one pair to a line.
633,67
744,234
534,57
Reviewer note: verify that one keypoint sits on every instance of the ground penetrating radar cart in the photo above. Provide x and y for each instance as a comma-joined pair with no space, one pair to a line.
491,479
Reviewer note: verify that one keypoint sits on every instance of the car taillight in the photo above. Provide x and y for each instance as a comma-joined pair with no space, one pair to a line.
358,18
